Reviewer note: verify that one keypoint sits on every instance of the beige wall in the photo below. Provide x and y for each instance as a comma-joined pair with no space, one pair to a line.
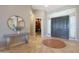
77,22
32,23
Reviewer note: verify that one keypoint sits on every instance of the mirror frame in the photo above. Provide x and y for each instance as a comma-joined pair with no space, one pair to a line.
11,28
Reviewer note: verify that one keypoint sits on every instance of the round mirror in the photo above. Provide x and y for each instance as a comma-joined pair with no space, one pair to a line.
16,23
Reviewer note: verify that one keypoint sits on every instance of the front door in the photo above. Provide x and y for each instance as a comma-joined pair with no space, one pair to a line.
60,27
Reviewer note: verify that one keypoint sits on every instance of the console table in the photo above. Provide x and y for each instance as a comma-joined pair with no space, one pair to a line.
23,36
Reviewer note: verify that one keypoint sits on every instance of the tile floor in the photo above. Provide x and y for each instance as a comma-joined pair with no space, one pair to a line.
35,46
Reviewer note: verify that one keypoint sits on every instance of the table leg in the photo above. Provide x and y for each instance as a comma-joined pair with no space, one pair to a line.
25,39
7,43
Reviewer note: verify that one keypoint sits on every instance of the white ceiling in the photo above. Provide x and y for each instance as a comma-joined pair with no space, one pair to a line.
49,8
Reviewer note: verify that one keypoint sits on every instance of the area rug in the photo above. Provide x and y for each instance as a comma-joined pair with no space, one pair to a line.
54,43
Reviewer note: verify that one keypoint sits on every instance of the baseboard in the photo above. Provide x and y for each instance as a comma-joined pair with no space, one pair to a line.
72,38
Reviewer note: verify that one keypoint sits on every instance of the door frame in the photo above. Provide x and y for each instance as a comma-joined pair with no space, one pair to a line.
35,25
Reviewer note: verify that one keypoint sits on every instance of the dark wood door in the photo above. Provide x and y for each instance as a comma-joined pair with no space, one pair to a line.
60,27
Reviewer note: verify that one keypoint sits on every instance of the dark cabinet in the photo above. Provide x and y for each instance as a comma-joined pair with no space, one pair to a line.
60,27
